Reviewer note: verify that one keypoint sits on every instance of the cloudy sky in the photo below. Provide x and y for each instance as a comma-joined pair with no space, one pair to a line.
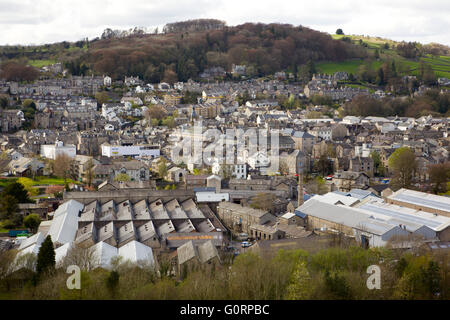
46,21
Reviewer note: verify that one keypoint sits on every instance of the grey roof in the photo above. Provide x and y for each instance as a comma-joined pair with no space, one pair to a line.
302,134
422,199
146,231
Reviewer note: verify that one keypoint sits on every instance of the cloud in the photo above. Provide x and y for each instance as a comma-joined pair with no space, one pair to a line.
44,21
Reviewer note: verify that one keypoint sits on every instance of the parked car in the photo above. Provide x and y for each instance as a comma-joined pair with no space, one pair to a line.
245,244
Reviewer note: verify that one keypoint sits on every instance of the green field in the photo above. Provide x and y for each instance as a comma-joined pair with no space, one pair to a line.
41,63
40,181
440,65
350,66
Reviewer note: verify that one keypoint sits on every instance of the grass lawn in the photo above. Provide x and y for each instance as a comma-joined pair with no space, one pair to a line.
38,181
440,65
350,66
41,63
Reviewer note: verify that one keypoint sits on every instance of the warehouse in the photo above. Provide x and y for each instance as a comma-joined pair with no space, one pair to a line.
371,221
421,201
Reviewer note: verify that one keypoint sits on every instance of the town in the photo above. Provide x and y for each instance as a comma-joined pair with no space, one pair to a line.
91,163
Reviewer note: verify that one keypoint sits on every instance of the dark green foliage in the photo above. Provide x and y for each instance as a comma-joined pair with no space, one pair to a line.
8,207
337,285
431,279
32,221
190,97
46,257
339,31
112,281
17,190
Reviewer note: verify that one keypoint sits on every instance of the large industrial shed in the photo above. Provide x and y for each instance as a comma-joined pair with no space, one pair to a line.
426,224
372,221
421,201
368,231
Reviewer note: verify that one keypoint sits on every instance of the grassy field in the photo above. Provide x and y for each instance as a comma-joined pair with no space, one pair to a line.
350,66
40,181
41,63
440,65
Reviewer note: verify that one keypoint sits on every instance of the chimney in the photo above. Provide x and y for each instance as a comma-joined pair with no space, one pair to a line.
300,195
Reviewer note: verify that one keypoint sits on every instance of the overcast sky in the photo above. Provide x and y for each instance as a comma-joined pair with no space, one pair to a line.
47,21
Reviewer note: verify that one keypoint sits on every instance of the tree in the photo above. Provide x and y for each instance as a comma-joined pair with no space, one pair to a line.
337,285
403,163
439,176
323,165
61,166
46,257
112,282
18,191
8,207
299,287
32,221
102,97
339,31
376,161
28,103
122,177
263,201
90,172
162,168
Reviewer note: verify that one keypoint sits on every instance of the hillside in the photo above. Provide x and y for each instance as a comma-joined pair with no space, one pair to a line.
180,55
435,55
185,49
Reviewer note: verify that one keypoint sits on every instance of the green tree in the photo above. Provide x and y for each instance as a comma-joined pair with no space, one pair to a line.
404,165
46,257
439,176
299,287
162,168
112,282
339,31
102,97
32,221
28,103
376,161
18,191
337,285
8,207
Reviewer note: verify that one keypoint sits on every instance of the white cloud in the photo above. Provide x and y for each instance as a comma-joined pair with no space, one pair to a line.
43,21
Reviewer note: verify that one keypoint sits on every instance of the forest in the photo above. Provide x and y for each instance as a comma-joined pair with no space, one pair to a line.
264,48
187,48
296,274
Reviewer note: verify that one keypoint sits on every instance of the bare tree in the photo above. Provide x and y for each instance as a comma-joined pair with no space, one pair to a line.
61,166
85,258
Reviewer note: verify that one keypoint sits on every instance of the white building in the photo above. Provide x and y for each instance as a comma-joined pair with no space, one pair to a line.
130,150
51,151
107,81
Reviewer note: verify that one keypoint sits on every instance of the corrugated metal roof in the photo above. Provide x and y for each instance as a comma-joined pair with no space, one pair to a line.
422,199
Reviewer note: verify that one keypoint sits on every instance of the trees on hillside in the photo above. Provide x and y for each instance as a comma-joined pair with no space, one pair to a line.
13,71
